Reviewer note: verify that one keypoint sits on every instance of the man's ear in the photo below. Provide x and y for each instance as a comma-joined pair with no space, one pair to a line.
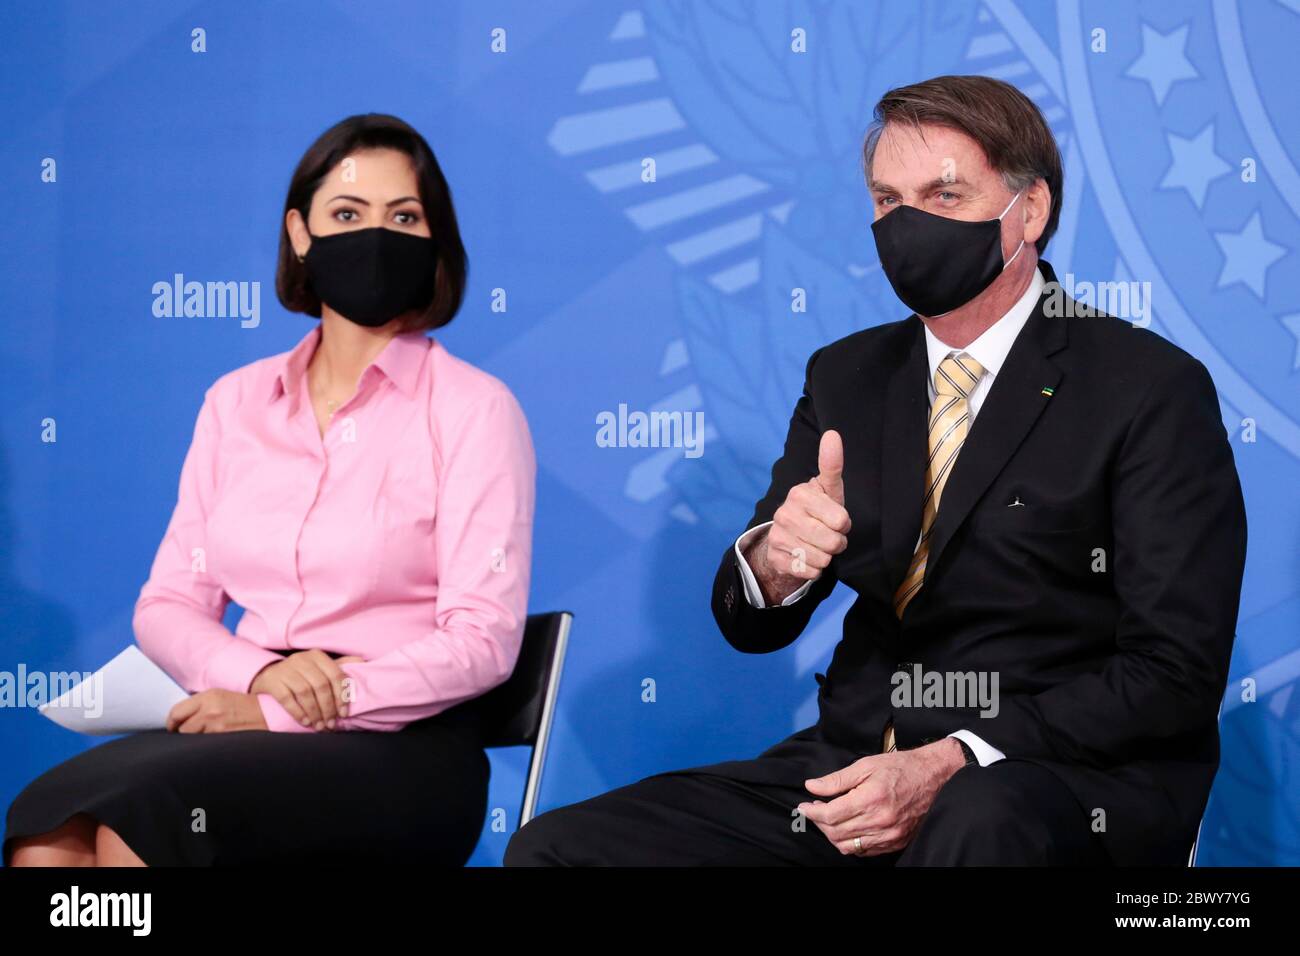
1037,207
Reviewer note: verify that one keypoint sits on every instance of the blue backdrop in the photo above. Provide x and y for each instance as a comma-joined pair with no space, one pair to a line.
152,138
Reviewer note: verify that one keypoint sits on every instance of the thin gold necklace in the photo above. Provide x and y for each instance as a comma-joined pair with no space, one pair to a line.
331,404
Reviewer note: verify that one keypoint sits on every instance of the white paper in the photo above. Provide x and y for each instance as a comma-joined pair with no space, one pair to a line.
127,694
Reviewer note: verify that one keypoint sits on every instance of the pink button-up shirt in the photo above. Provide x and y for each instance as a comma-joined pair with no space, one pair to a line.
403,536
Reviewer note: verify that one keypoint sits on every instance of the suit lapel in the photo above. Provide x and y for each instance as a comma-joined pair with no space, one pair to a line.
903,456
1009,411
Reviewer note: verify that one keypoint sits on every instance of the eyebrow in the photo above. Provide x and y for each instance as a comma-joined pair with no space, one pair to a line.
878,187
364,202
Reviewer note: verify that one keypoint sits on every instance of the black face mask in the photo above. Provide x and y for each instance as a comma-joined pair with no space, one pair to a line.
937,264
371,276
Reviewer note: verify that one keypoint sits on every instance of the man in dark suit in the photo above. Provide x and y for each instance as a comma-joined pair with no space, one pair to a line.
1039,512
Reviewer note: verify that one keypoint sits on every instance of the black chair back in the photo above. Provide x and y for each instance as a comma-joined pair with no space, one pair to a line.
519,712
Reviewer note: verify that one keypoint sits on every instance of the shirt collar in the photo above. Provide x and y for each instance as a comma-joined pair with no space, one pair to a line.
993,344
399,361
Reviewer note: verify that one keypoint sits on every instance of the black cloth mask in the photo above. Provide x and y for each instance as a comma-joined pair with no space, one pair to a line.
371,276
937,264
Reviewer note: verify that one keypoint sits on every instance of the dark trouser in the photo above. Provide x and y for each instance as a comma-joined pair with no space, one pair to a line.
1009,813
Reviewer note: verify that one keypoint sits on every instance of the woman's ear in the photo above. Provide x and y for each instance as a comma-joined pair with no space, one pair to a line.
298,235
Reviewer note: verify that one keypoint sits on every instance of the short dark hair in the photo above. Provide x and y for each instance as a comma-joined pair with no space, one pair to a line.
1006,124
376,131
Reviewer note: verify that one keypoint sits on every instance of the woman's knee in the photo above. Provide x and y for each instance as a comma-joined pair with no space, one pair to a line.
112,850
72,843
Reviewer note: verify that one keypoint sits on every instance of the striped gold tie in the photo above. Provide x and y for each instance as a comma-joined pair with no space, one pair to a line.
954,380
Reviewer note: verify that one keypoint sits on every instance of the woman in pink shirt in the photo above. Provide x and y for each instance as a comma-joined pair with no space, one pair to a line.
367,499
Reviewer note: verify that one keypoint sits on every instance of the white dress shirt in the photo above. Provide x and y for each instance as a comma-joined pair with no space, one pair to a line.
990,350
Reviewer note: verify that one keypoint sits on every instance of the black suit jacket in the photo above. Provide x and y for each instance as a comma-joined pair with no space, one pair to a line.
1106,605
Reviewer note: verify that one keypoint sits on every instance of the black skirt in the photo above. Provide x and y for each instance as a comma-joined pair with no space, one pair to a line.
256,797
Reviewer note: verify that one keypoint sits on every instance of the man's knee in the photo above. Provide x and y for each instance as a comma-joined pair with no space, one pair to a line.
538,842
997,816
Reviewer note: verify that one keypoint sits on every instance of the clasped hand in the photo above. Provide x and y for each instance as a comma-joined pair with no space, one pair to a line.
310,685
881,799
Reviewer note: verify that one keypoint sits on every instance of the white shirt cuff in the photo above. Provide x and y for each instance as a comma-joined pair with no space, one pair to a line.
984,753
753,594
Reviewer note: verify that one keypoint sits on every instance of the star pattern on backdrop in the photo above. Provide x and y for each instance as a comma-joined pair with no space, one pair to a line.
1247,255
1292,322
1195,164
1163,61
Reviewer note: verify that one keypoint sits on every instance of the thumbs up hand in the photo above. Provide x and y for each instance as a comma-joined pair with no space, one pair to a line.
809,528
830,467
